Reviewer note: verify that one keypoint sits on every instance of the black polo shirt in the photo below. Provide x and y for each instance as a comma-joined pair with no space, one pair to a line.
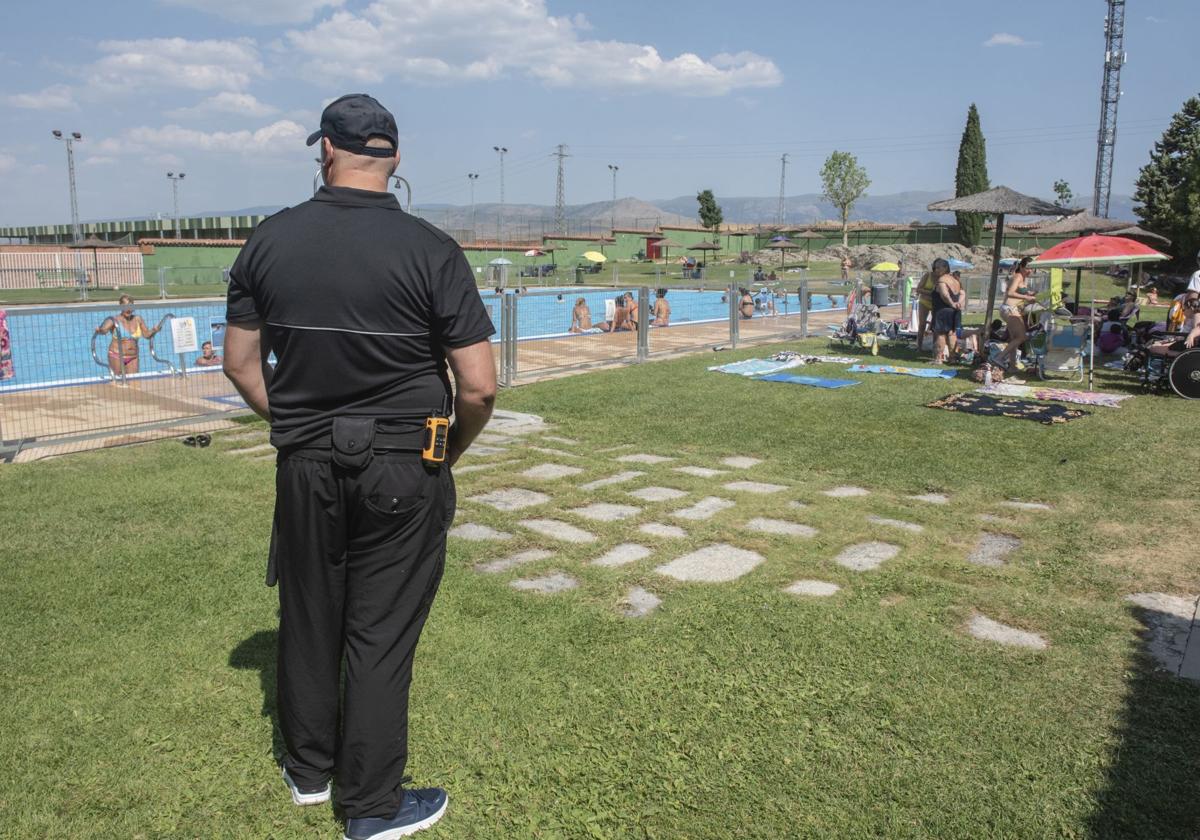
359,301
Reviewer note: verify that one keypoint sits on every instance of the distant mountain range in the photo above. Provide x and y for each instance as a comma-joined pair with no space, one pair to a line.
593,219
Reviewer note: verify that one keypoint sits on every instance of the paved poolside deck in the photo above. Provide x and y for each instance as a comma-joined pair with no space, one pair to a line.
42,417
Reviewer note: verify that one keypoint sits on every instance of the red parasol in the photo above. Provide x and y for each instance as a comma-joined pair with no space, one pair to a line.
1097,250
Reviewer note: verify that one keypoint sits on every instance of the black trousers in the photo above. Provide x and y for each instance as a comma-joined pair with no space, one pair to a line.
359,557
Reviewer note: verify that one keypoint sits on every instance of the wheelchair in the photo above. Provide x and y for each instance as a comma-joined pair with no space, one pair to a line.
1177,370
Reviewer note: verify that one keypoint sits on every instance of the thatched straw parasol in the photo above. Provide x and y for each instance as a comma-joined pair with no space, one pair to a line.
705,246
666,244
92,243
808,236
998,202
1078,225
1135,232
781,246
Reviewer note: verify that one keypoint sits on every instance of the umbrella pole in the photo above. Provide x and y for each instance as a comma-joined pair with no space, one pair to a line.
991,304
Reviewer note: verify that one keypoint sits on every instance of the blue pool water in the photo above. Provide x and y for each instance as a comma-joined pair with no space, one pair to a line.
53,348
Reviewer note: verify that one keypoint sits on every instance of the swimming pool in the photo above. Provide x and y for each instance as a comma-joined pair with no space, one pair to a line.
51,346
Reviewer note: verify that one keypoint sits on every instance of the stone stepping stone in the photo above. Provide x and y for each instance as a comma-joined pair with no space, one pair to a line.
495,440
521,558
992,519
846,492
700,472
550,472
932,498
866,556
798,505
639,603
1168,620
982,627
512,498
610,449
741,462
558,530
658,529
911,527
706,508
780,527
251,450
484,451
470,468
622,555
719,563
556,452
992,549
815,588
643,458
658,494
754,487
546,585
270,457
1019,505
605,512
619,478
564,441
476,533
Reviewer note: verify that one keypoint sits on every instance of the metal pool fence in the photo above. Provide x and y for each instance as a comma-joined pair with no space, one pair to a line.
67,382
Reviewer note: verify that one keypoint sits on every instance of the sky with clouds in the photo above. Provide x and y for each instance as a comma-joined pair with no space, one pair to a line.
681,96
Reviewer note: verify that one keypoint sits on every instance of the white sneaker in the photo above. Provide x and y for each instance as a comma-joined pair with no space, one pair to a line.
306,796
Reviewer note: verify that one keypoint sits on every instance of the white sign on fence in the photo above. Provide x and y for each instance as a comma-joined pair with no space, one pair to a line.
183,335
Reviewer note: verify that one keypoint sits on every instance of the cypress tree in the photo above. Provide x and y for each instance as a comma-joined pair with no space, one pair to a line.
1168,187
971,177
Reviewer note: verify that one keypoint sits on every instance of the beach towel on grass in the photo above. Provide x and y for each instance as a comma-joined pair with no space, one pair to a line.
1017,409
923,373
814,381
1005,389
757,367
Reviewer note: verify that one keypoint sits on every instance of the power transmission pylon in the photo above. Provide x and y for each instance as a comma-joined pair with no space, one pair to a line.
560,193
1110,97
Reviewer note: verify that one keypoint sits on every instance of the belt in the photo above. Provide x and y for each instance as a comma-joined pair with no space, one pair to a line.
412,440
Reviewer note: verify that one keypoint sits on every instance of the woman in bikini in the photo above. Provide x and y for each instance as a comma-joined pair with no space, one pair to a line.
581,316
126,328
1016,297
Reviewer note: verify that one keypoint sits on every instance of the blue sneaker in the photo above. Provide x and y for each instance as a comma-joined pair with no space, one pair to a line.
418,809
306,795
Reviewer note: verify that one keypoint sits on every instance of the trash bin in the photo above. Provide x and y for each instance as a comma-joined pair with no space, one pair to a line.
879,294
578,275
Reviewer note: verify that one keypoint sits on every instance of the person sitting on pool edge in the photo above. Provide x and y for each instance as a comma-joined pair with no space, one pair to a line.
126,328
207,357
581,316
662,309
632,310
620,319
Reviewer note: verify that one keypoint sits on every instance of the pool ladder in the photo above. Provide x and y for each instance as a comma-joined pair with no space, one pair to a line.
115,335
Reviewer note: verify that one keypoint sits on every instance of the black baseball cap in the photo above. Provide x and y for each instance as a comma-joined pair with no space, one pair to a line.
351,120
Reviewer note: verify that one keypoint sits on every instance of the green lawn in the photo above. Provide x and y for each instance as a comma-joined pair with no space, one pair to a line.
138,666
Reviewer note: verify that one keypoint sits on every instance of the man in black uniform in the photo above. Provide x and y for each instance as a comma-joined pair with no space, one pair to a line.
363,306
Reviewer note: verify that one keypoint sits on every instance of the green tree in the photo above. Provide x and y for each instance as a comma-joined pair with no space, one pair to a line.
971,177
710,213
1168,191
843,182
1063,190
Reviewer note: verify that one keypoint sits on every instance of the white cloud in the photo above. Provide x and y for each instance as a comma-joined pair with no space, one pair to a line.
7,162
176,62
1006,39
1154,19
226,102
259,11
53,98
465,40
99,160
276,139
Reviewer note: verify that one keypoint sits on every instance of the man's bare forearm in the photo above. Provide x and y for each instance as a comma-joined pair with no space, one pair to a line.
471,414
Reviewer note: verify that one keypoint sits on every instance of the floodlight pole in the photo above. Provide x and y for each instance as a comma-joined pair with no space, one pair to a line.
502,151
175,179
70,140
612,224
472,177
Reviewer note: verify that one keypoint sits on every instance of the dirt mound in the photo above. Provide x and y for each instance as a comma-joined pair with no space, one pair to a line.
913,259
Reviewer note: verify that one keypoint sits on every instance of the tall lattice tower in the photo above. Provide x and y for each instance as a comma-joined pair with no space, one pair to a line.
1110,97
782,182
560,193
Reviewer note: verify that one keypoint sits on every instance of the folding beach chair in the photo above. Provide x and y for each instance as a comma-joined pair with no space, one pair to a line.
1062,349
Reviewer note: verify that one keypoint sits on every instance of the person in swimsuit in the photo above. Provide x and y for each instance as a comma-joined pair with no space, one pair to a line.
126,328
946,301
1016,297
924,305
631,307
620,320
662,309
207,357
581,316
746,304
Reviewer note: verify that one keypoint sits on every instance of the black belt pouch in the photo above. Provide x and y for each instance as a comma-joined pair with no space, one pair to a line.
353,441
